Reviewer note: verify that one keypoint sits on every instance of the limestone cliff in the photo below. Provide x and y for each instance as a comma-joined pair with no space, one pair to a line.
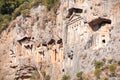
71,40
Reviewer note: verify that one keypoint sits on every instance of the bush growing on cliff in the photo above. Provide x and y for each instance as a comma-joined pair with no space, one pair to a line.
105,78
47,77
98,64
65,77
25,12
112,69
110,61
119,63
35,75
35,3
97,73
79,75
51,3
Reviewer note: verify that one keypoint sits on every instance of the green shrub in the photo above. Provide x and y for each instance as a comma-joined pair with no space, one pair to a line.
105,79
112,68
1,17
119,63
51,4
25,5
97,72
6,16
43,73
16,13
47,77
35,3
110,61
65,77
98,64
35,75
25,12
4,24
79,74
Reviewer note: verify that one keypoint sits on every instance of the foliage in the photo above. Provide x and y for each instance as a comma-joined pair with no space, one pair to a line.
65,77
10,9
35,75
97,72
79,74
119,63
43,73
110,61
50,3
112,68
25,12
16,13
98,64
105,78
47,77
35,3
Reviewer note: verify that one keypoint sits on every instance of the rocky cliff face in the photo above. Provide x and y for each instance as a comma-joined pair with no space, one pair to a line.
71,40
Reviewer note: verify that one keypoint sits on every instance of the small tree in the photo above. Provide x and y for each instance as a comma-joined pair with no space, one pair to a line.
112,69
110,61
65,77
25,12
35,75
79,75
47,77
97,73
43,73
98,64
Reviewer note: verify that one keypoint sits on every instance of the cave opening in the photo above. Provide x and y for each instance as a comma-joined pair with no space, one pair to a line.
97,23
44,44
70,56
24,39
103,41
28,46
59,41
63,70
52,41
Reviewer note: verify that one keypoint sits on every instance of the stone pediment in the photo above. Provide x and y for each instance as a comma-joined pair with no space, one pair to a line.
74,18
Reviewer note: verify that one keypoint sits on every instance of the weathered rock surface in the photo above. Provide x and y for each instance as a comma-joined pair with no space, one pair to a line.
65,42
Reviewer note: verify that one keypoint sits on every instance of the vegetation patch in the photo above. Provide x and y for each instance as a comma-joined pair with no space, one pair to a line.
112,68
98,64
9,10
66,77
97,73
79,75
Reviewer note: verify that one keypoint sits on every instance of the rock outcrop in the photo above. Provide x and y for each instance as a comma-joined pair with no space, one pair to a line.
71,40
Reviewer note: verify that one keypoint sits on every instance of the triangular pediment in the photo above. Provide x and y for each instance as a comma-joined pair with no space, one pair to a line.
74,16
